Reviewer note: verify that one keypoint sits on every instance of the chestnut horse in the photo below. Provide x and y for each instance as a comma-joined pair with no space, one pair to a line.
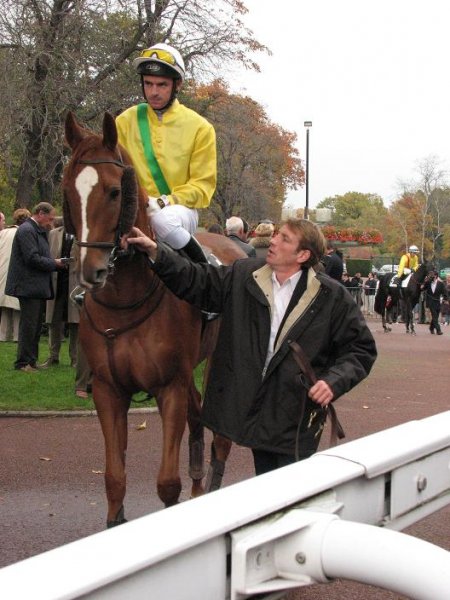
136,334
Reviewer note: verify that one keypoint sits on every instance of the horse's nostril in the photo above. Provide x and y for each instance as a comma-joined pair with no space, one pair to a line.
101,275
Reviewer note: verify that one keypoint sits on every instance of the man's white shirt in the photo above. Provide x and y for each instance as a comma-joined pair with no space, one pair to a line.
282,295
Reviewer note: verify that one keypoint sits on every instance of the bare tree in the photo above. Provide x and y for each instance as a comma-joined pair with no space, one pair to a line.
74,54
431,178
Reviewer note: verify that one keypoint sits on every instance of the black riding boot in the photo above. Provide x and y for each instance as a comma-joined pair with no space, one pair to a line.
194,251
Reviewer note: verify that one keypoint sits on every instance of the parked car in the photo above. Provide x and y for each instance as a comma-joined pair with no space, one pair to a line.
444,272
387,269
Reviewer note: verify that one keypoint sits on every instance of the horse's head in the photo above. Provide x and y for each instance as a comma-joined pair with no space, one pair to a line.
100,196
423,270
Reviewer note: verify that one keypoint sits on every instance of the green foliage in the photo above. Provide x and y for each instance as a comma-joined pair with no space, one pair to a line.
355,209
358,265
50,389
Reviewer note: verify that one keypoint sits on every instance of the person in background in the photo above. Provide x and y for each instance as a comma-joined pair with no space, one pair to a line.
435,290
173,150
255,394
370,288
9,306
29,280
334,265
246,230
356,288
261,239
2,221
346,281
216,228
445,306
234,228
60,313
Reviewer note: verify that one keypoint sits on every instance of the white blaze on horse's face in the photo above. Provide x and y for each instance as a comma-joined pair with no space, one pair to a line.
84,184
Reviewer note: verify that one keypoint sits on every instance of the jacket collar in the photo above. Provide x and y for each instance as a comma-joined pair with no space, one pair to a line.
263,278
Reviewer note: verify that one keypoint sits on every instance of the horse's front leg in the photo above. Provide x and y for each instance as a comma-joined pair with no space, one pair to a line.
112,411
172,403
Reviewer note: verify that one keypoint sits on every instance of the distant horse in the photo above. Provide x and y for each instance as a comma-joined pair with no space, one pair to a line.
388,296
387,299
136,334
410,293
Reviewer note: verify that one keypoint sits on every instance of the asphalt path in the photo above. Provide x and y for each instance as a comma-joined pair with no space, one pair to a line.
51,471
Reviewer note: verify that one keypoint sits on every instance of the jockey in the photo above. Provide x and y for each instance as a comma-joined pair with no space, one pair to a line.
173,150
408,262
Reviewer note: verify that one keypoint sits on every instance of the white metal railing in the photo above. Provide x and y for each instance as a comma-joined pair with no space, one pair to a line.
275,531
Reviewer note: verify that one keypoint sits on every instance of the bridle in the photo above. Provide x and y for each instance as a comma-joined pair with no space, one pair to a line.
116,250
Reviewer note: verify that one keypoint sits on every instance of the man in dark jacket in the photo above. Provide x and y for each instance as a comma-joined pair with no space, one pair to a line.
256,395
332,260
435,289
29,280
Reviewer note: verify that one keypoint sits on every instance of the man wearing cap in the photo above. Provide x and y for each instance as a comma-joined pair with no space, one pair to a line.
173,150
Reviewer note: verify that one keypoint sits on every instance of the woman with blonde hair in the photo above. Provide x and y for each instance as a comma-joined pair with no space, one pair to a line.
261,240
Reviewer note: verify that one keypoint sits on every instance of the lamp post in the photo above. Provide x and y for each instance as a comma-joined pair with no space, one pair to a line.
307,124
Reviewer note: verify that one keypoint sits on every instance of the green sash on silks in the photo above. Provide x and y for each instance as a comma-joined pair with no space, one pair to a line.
146,138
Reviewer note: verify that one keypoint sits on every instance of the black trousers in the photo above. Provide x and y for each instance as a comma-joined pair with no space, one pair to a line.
435,309
269,461
30,324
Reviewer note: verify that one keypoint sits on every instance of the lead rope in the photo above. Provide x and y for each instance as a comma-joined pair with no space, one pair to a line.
337,431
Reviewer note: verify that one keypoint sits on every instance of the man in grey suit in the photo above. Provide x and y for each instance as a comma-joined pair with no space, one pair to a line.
29,280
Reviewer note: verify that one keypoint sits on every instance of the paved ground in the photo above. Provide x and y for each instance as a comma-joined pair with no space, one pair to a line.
51,486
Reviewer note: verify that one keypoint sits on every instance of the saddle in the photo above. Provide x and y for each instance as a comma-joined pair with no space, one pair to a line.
401,282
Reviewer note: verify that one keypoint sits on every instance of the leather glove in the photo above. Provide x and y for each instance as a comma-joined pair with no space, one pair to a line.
156,204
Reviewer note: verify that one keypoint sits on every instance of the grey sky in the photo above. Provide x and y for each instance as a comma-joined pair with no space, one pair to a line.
373,77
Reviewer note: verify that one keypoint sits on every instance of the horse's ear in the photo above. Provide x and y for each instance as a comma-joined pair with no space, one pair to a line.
109,132
74,133
129,199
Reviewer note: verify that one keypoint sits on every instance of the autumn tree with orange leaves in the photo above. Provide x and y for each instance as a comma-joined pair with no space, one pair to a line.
258,161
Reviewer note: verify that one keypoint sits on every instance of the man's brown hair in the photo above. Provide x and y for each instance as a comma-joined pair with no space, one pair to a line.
310,238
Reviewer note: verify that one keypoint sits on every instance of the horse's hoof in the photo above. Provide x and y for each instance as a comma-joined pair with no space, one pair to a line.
119,520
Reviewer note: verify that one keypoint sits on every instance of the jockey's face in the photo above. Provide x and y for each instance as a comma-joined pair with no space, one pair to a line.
158,90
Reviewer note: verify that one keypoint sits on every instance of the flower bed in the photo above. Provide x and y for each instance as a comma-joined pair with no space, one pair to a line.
352,234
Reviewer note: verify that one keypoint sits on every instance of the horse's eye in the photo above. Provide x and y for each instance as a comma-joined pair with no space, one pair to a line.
114,193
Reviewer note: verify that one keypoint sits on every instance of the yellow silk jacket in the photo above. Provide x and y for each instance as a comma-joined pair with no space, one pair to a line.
184,144
408,261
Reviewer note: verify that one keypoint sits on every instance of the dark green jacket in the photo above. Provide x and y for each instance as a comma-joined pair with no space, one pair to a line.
31,265
257,408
